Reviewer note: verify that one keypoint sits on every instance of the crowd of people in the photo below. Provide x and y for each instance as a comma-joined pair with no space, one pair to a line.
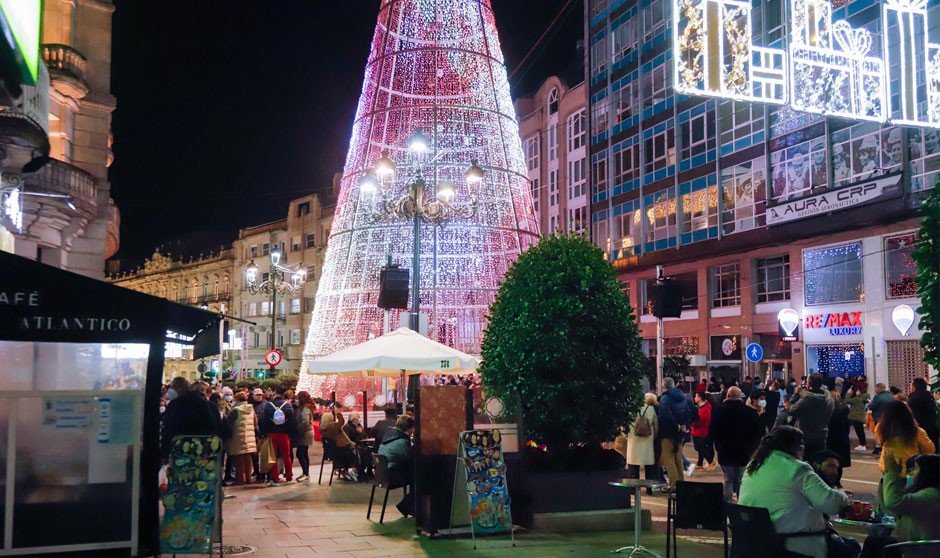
783,446
247,419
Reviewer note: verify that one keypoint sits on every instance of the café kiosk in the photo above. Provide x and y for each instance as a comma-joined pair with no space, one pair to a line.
81,365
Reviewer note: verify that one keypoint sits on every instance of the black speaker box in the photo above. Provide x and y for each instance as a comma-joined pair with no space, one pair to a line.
667,300
393,288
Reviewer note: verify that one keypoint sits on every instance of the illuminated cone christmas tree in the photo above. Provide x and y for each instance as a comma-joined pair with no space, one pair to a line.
435,66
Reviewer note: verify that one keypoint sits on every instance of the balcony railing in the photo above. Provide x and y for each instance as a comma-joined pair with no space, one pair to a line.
57,177
64,59
34,105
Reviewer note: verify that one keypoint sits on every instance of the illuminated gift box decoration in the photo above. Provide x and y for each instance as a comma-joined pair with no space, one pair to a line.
826,80
913,63
715,55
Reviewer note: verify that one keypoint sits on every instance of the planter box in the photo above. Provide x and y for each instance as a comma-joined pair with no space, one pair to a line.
575,491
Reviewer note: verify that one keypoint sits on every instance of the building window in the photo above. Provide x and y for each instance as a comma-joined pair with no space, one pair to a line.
577,219
598,56
625,102
660,151
627,164
310,240
256,340
599,117
265,276
925,157
534,185
662,216
577,132
773,279
657,84
700,209
698,135
265,308
900,268
553,143
253,251
252,308
864,151
598,7
295,337
532,153
601,236
744,191
552,188
599,175
624,40
552,102
628,229
281,308
739,120
725,285
577,178
677,346
654,19
303,209
833,274
295,245
265,249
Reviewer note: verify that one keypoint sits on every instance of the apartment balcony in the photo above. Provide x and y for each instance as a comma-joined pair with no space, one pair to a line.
57,177
66,70
24,128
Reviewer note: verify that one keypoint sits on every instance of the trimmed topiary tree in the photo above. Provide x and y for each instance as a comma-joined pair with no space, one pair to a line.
563,338
927,256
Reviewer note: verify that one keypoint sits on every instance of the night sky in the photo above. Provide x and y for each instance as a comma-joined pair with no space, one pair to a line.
229,109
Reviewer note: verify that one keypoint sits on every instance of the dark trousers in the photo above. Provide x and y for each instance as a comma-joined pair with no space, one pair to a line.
813,445
651,472
875,544
303,457
705,449
859,427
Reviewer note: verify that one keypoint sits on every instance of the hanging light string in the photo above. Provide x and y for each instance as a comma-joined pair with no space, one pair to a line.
552,29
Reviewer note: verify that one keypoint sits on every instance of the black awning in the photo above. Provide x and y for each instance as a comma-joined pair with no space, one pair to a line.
43,303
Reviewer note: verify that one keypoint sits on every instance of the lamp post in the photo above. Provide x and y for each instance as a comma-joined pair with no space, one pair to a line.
276,283
422,202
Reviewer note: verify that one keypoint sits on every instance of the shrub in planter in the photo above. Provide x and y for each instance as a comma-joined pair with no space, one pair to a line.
562,344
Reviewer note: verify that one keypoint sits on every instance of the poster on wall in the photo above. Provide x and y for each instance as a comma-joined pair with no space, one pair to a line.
488,492
191,499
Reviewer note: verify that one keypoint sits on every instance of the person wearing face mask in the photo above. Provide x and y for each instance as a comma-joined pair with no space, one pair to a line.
187,413
758,402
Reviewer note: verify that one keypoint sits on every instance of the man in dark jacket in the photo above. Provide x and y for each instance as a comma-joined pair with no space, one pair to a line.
812,412
924,407
736,431
675,421
276,422
877,406
397,450
187,414
381,427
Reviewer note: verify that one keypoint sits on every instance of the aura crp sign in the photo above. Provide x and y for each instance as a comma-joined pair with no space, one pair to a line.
889,73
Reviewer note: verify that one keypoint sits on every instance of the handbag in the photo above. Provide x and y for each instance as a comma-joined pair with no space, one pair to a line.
267,457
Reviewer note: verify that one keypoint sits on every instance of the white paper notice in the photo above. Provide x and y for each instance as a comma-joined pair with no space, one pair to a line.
67,413
107,463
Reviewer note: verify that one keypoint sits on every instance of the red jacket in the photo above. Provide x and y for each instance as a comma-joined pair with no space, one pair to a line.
700,427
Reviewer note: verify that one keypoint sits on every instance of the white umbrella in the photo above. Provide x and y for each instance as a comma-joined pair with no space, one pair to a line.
398,353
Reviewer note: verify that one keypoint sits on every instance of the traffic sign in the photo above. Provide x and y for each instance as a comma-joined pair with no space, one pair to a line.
273,357
754,352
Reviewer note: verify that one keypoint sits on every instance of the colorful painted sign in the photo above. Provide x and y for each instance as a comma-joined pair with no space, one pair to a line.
486,481
191,500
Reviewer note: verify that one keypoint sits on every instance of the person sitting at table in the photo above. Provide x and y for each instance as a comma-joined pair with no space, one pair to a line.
397,450
915,505
353,430
828,466
378,431
344,456
778,480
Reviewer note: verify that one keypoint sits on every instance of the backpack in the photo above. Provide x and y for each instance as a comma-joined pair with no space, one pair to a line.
278,417
693,410
643,427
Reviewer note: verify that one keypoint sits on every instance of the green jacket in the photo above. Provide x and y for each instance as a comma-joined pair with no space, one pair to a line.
916,513
857,406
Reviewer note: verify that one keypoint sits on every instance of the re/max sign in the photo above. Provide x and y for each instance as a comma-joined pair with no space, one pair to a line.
844,319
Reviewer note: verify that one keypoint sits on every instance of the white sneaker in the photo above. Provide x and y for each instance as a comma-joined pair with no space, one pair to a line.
690,469
861,448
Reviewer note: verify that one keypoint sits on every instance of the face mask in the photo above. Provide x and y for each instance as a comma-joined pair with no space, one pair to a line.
171,394
909,481
162,409
229,398
762,403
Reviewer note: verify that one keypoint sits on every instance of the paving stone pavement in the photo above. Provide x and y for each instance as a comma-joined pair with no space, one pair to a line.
307,519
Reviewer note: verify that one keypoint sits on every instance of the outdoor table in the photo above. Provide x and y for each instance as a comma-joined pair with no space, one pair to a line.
636,485
886,525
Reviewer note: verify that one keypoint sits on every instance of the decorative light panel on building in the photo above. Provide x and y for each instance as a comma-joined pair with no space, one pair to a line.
435,65
828,67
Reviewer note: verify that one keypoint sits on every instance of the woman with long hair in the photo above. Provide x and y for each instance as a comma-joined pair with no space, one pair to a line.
796,497
304,416
897,430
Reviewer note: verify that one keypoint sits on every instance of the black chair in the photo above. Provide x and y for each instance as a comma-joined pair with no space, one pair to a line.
380,462
897,550
696,505
753,534
329,454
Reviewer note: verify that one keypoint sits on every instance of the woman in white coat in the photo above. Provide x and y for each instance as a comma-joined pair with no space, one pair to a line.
641,450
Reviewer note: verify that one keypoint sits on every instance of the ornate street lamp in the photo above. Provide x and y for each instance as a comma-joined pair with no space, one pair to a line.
422,202
282,279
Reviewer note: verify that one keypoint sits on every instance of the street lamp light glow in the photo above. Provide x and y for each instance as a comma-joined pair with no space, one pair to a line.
252,272
368,184
418,142
276,256
446,191
474,174
299,277
384,166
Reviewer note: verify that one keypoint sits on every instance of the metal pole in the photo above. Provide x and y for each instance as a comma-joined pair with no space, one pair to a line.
659,336
221,342
416,262
272,373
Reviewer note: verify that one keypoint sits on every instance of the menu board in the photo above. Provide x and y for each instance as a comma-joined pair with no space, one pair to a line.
191,500
486,481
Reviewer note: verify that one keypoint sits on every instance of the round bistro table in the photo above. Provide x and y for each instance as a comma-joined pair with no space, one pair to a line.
636,485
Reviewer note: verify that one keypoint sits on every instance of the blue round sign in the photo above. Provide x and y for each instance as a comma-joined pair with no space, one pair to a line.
754,352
